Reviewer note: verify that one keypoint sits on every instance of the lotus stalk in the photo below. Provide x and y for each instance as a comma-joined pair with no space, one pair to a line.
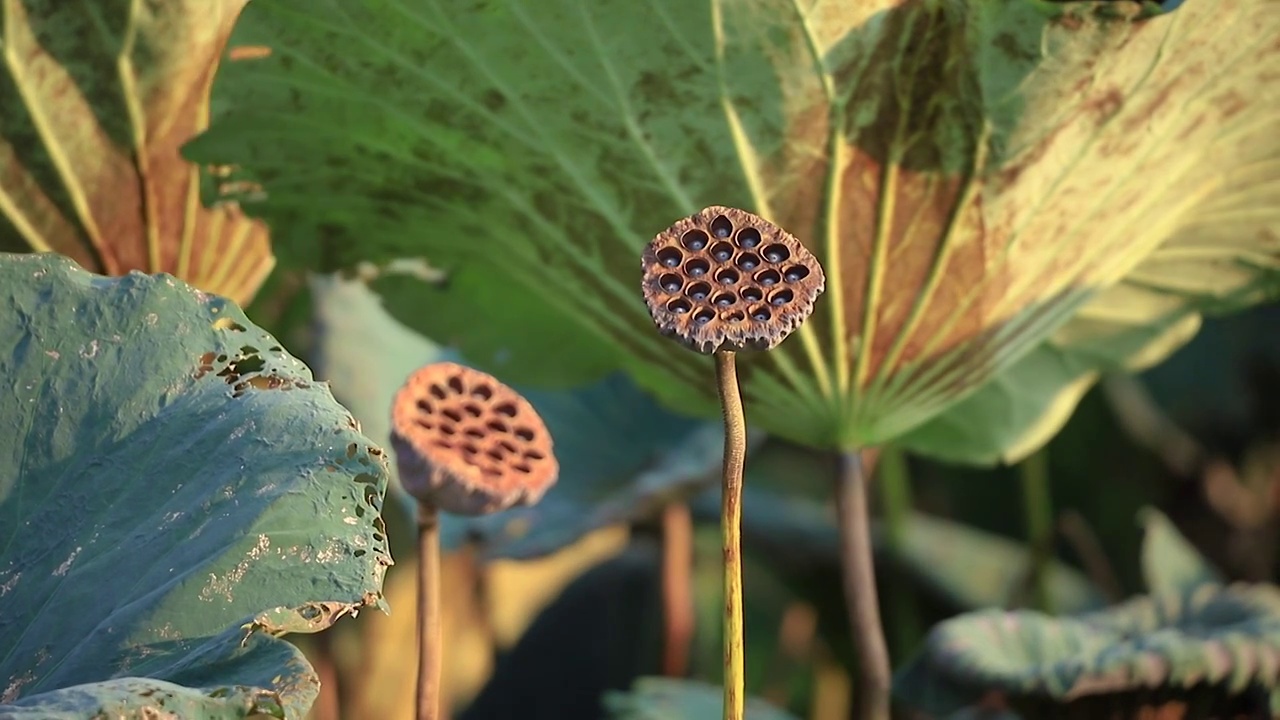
719,282
469,445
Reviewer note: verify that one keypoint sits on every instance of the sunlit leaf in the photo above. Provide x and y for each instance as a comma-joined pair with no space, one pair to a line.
96,99
971,175
175,491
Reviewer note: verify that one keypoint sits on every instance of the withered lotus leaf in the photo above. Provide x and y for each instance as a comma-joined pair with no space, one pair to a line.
95,105
977,180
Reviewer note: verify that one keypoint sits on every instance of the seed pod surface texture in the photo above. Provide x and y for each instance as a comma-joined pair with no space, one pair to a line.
726,279
467,444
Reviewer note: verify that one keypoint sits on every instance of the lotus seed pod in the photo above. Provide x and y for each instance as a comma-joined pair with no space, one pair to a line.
467,444
726,279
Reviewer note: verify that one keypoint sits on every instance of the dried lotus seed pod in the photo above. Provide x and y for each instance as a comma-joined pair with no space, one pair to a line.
467,444
726,279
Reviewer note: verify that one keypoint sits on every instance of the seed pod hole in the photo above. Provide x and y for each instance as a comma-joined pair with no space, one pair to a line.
522,467
492,471
748,237
470,448
455,384
735,316
507,409
748,261
721,227
495,454
524,434
768,277
448,429
703,316
697,267
508,446
679,306
670,282
476,433
752,294
698,291
760,314
781,297
472,409
721,251
442,443
438,392
727,276
724,299
497,426
533,455
452,414
777,253
670,257
482,392
425,407
426,424
796,273
694,240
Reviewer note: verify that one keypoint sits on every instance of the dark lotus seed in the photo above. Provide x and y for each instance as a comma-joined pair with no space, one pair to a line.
776,253
752,294
760,314
679,306
697,267
727,277
782,297
670,282
699,291
725,299
796,272
721,251
748,261
768,277
669,257
748,238
721,227
702,317
695,240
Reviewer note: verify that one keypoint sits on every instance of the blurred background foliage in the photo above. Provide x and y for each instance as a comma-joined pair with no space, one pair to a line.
359,147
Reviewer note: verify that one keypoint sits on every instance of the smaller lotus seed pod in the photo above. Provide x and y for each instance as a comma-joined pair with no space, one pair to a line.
726,279
467,444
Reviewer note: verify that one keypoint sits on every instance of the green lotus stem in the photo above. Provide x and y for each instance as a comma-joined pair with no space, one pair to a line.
1038,514
895,506
430,636
735,453
859,575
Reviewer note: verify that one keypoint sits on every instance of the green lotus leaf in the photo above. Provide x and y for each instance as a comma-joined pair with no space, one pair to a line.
655,698
96,101
971,175
176,491
1190,634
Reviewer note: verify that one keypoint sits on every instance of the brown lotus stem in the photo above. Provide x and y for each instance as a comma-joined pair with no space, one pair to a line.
677,591
466,444
430,630
859,576
718,282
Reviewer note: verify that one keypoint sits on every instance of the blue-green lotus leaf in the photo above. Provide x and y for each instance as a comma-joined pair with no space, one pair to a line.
655,698
175,491
1190,633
